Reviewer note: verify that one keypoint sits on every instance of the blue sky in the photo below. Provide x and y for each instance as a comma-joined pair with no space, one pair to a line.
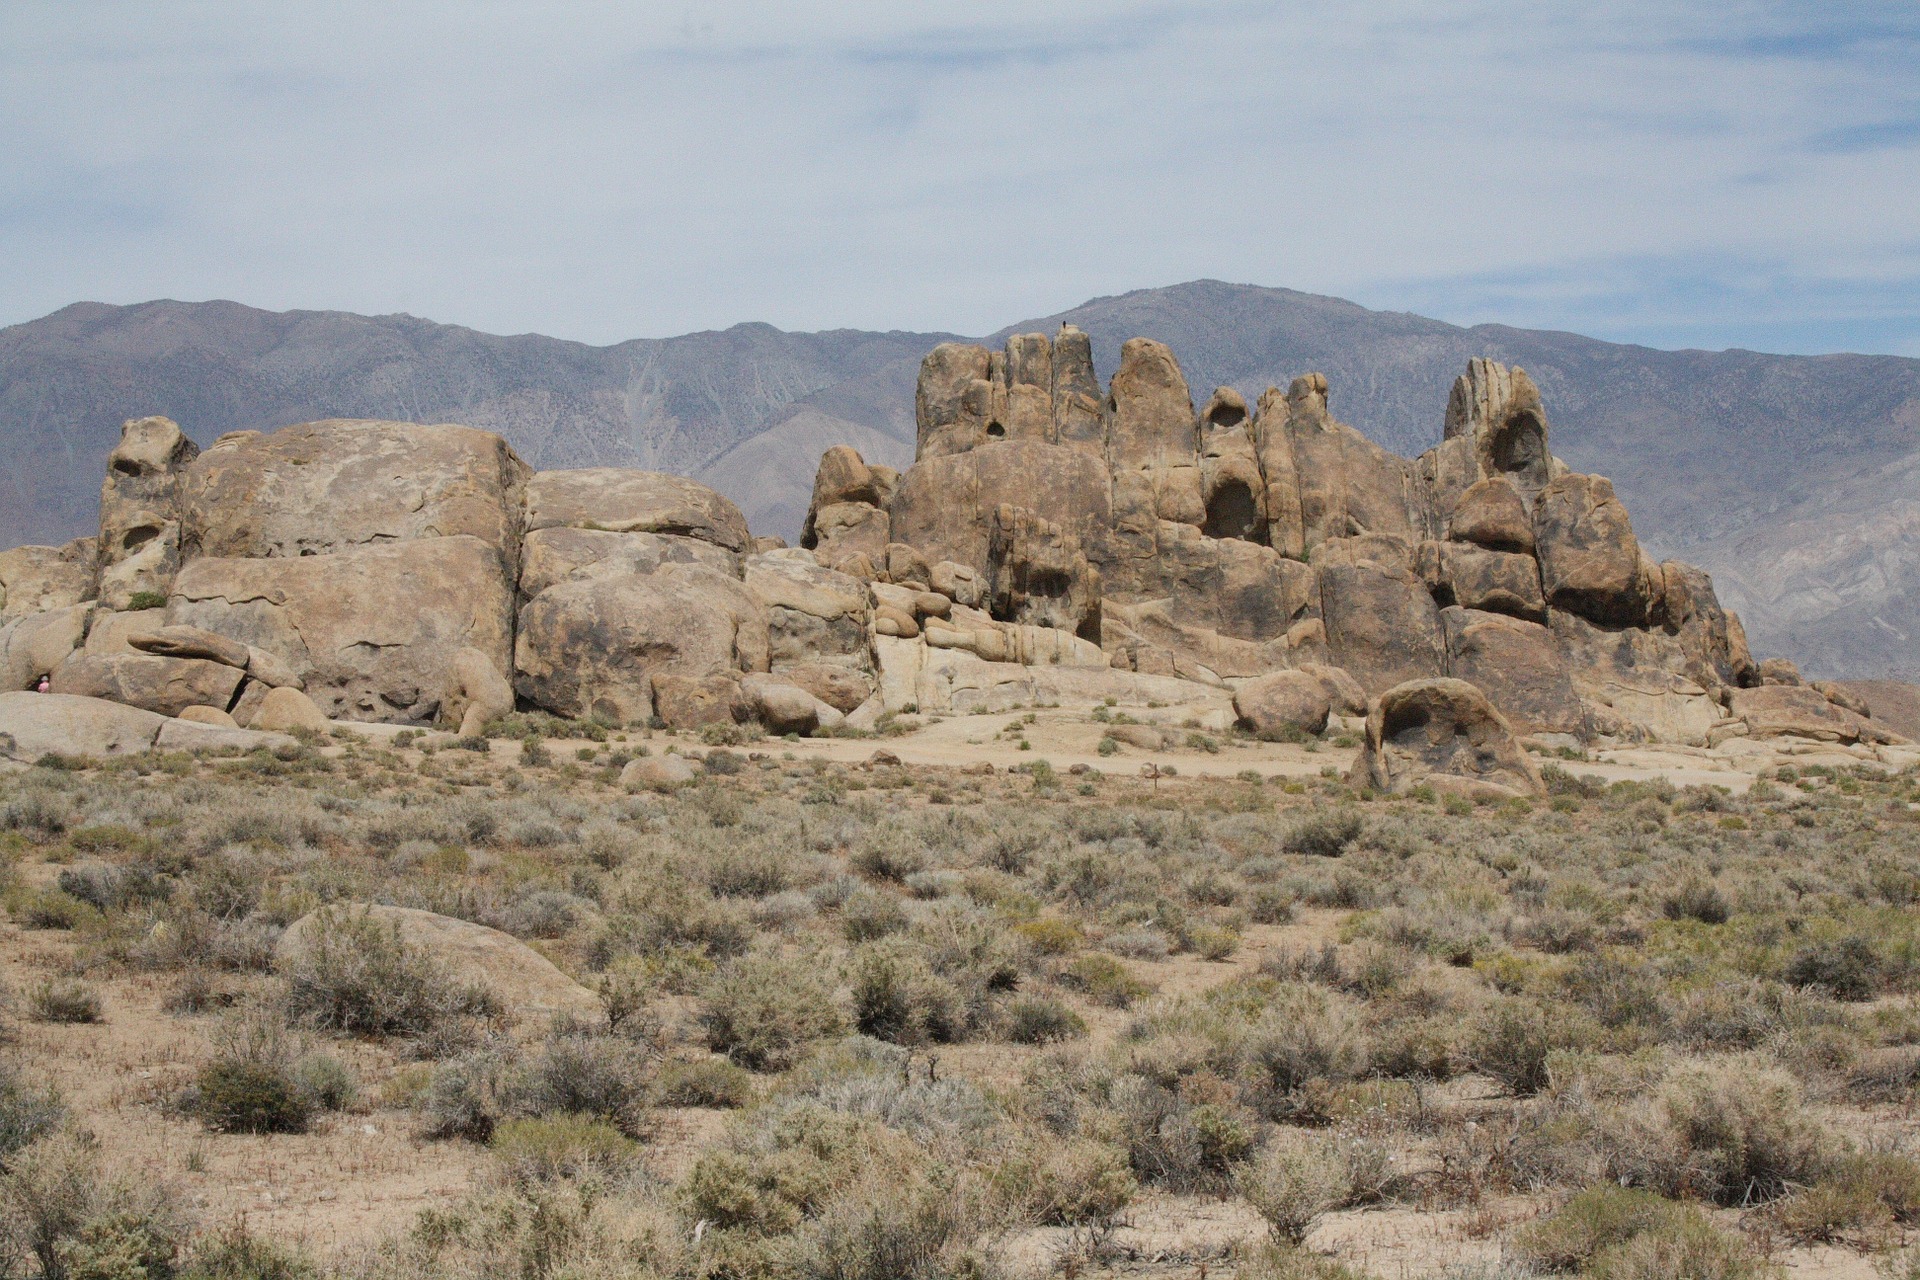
1734,174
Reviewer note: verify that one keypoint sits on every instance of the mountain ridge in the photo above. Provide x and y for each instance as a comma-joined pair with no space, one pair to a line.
1731,459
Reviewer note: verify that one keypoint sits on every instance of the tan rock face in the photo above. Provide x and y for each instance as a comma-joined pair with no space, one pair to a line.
37,724
1590,562
954,400
1491,514
165,686
190,642
479,692
1382,624
1799,711
848,529
371,632
695,702
553,555
1343,691
325,487
108,631
1231,487
1152,441
944,506
36,579
1516,664
1445,734
1038,575
1282,705
1711,637
33,646
140,510
1475,578
593,646
626,501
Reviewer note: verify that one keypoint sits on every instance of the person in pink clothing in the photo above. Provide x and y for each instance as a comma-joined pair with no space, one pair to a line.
42,687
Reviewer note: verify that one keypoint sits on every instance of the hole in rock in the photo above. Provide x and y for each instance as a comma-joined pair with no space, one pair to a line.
1232,513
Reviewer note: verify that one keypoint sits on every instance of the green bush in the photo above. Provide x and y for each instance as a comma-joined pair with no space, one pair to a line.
763,1012
141,600
27,1112
1626,1234
709,1082
1104,980
1296,1179
1324,835
232,1252
898,997
545,1148
1847,969
239,1096
64,1000
1514,1040
1042,1020
354,973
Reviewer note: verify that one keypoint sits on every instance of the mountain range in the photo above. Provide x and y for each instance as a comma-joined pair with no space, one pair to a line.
1794,480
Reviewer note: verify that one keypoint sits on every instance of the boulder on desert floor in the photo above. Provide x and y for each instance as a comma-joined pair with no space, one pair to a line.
37,644
526,983
163,685
1778,710
656,771
1444,734
284,710
1284,704
37,724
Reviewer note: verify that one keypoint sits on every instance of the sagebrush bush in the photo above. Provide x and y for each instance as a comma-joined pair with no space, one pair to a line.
65,1000
1294,1181
764,1012
27,1111
354,973
543,1148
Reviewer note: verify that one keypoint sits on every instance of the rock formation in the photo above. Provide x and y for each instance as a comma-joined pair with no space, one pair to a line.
1053,542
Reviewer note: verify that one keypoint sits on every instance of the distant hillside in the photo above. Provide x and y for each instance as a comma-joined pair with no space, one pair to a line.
1791,478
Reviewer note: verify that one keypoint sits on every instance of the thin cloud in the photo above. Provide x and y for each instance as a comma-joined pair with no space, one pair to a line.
607,171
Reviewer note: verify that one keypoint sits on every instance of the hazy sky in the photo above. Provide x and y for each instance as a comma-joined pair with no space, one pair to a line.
1706,174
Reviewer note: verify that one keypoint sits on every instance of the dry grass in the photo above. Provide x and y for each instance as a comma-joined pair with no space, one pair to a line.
916,1021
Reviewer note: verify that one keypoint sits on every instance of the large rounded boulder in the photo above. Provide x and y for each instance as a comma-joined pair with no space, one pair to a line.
1446,735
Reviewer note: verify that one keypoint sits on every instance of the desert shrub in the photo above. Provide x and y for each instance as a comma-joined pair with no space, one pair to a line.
867,915
745,872
1041,1020
1324,835
1847,968
1296,1178
232,1252
1103,980
1071,1183
1745,1134
1513,1041
890,855
1697,899
234,1095
59,1206
898,997
27,1111
355,974
1628,1234
466,1098
51,909
1271,1260
1302,1044
544,913
544,1148
64,1000
326,1081
606,1077
708,1082
763,1012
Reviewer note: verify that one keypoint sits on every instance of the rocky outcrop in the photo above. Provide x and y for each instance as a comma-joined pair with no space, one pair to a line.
1286,704
36,579
370,632
140,511
1444,734
162,685
594,646
325,487
1233,542
1054,540
33,725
